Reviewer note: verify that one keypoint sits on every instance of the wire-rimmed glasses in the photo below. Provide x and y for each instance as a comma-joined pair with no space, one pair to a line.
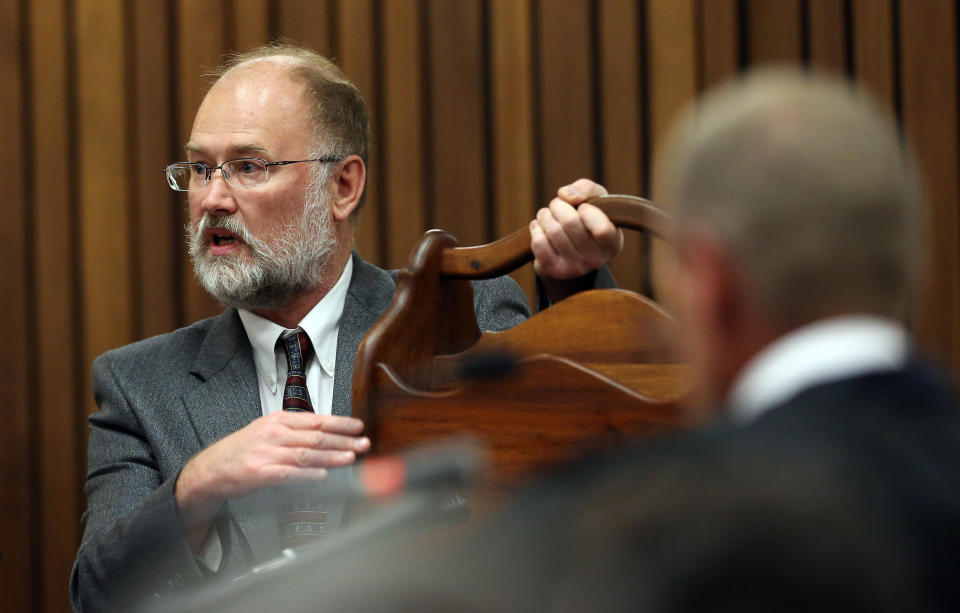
242,172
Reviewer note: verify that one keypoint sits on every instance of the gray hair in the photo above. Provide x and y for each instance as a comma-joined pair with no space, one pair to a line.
806,181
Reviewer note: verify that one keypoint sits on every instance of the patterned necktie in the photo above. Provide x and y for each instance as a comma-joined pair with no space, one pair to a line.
299,351
304,518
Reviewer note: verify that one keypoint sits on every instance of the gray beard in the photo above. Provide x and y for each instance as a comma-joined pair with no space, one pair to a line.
271,274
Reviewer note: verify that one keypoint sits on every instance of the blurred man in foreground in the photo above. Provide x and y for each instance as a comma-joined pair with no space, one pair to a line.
829,481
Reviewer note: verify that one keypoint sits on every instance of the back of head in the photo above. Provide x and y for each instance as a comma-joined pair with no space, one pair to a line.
805,181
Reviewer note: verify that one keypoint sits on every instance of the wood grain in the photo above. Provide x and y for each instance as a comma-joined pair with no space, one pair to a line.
403,132
309,22
719,46
873,47
158,210
621,125
56,342
929,93
358,58
458,156
201,41
566,98
774,31
514,176
104,210
671,32
18,503
827,25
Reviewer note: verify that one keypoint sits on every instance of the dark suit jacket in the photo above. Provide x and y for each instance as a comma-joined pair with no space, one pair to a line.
845,497
855,481
164,399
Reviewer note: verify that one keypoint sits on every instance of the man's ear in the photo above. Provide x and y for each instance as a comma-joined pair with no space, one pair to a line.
717,284
349,183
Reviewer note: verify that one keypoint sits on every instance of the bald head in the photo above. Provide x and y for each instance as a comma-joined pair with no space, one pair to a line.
805,182
339,113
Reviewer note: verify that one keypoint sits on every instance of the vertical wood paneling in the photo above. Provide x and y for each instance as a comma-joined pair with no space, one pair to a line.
719,47
104,215
403,142
458,123
566,95
251,24
774,30
826,34
929,93
17,505
621,113
873,52
671,36
200,42
308,22
54,334
158,209
357,36
511,70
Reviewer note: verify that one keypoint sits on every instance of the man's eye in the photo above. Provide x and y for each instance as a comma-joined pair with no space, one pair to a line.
249,167
201,169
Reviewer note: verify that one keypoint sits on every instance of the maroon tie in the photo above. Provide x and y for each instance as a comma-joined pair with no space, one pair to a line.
299,351
304,519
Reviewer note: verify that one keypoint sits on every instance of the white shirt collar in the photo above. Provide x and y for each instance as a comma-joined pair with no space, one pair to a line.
826,350
322,325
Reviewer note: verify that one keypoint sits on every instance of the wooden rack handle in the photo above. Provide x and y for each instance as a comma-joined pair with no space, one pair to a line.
513,251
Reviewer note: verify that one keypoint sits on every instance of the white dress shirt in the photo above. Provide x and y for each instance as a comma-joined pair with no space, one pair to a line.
827,350
322,325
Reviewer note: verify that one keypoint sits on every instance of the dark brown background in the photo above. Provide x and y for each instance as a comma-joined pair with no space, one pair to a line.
481,107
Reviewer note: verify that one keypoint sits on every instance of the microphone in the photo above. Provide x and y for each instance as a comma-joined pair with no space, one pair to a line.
444,466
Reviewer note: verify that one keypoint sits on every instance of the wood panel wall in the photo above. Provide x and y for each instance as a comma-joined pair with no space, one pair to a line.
481,109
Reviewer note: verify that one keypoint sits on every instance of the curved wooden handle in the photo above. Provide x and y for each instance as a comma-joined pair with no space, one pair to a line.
513,251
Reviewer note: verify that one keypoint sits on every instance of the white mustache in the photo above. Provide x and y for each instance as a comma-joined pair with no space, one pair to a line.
222,222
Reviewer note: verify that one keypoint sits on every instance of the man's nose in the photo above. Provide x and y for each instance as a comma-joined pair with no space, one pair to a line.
219,199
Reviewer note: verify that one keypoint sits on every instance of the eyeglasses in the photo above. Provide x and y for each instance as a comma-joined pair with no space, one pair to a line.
243,172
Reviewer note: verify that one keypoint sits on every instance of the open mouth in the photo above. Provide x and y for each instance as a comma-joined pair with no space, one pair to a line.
222,238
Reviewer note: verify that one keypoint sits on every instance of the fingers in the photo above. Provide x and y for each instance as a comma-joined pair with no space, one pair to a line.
336,424
581,190
606,235
568,242
315,439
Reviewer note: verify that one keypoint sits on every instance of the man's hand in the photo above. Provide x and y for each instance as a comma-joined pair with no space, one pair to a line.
569,242
279,448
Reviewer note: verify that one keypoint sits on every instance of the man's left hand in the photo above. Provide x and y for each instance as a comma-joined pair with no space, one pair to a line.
570,241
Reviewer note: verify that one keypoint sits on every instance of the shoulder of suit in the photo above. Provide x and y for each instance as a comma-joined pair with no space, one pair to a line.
177,344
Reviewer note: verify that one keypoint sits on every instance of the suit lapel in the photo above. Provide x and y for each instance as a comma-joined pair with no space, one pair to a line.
371,290
222,398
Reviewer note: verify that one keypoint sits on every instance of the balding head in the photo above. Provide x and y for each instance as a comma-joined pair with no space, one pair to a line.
805,182
339,113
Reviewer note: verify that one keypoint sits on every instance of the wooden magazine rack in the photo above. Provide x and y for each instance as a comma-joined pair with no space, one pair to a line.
589,371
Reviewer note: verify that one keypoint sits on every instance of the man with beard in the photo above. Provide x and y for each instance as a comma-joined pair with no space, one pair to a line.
197,427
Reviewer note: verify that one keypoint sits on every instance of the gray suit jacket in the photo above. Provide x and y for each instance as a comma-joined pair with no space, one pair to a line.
164,399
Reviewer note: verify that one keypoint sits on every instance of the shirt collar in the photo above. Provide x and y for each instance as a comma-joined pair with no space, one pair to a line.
322,325
835,348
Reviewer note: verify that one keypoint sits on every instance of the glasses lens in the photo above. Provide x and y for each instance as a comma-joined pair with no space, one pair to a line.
179,177
246,172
